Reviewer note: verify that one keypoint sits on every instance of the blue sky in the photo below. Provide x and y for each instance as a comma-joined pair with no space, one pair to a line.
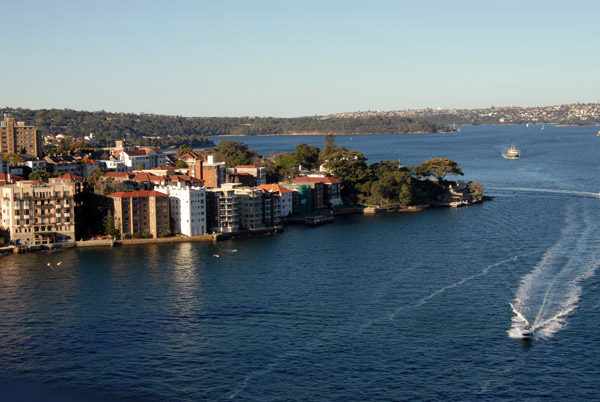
297,58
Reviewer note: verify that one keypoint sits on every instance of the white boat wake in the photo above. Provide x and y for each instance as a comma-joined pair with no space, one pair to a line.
548,191
548,294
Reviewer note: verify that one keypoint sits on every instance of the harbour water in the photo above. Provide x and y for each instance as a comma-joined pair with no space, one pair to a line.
406,306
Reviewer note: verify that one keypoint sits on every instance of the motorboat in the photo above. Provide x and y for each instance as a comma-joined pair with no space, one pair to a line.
527,332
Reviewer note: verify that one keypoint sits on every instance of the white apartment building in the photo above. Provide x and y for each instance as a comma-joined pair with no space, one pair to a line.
223,207
149,157
188,208
113,165
36,165
38,214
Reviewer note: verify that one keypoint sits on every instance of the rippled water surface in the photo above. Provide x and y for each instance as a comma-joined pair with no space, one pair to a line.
422,306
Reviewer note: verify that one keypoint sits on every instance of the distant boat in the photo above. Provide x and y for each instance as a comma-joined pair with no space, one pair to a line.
513,153
527,124
527,332
542,127
598,133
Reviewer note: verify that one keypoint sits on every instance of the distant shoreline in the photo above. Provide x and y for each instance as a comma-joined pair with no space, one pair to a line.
335,134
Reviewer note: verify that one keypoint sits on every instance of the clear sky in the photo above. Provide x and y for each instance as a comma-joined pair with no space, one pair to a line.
297,58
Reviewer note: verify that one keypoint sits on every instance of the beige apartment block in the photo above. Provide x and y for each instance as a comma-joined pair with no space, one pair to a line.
140,212
15,137
250,207
38,213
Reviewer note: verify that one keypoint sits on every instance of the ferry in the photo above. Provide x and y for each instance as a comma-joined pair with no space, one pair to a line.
527,332
513,153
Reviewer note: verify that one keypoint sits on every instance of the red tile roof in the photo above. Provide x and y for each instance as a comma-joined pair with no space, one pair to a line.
191,155
145,177
10,177
274,187
246,167
71,176
134,152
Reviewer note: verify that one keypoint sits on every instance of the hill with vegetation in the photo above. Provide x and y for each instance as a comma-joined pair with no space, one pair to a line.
172,131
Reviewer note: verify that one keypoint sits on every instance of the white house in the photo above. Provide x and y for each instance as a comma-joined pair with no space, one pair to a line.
36,165
149,157
188,208
113,165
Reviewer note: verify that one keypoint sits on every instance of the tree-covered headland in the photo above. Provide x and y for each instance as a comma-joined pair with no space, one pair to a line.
383,183
174,131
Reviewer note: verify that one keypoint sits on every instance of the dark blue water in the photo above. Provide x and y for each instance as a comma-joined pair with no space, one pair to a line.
398,307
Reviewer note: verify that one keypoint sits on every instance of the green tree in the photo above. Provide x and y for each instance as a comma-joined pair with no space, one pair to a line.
352,169
234,153
392,187
42,176
307,156
438,168
4,236
184,149
140,166
181,164
109,226
14,159
328,143
286,165
95,175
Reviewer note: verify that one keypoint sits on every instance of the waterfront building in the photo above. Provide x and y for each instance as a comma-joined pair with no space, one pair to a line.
222,209
38,213
251,207
285,197
302,198
332,194
16,137
141,213
271,208
187,208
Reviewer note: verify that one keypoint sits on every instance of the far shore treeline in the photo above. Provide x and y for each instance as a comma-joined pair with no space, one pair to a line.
172,131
